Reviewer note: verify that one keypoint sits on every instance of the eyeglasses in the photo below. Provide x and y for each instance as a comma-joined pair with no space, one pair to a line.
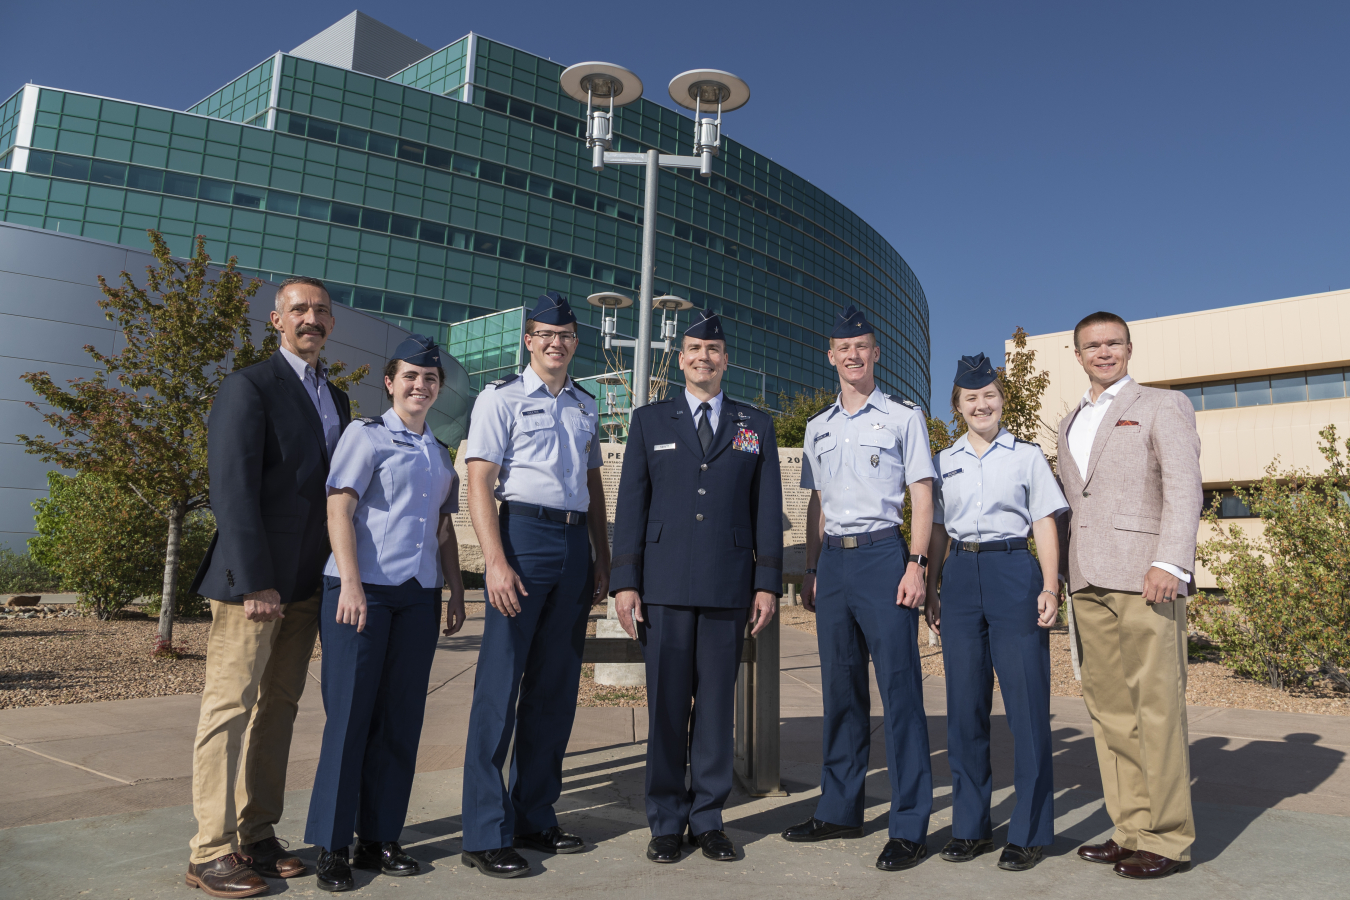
567,337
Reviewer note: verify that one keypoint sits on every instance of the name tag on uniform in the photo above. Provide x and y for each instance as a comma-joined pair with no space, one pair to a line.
664,447
398,443
946,475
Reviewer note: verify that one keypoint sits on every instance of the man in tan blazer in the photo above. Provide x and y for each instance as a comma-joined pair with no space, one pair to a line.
1129,459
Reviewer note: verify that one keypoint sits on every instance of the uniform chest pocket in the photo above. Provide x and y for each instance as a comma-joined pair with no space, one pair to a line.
826,452
877,456
580,428
536,438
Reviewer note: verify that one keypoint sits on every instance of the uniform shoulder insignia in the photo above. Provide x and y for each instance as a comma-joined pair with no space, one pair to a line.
821,412
583,390
369,420
1018,440
910,403
504,381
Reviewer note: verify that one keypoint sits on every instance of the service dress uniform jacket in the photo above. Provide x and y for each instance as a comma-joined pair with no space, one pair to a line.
696,535
374,681
991,587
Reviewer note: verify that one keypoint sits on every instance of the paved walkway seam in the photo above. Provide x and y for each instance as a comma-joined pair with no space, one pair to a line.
66,762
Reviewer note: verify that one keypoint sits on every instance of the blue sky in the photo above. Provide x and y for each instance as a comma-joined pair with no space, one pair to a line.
1032,161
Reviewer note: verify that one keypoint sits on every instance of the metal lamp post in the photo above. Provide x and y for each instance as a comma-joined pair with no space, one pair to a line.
599,85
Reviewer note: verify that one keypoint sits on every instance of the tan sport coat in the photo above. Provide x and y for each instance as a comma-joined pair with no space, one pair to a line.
1141,498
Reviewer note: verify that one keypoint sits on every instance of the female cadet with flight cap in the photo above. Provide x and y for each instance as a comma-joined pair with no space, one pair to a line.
997,603
391,491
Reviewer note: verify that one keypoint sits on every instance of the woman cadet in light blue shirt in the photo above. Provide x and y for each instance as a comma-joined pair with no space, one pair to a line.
997,604
391,491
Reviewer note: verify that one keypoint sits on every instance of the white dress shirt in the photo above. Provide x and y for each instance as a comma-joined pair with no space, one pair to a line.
1082,435
715,403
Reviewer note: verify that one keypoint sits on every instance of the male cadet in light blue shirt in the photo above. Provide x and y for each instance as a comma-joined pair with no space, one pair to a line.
534,446
996,606
859,454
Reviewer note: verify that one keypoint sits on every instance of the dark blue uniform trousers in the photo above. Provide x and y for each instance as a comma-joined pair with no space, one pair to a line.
989,624
692,654
856,615
375,694
529,666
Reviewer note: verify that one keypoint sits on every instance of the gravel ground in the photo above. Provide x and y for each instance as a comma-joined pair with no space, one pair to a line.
54,659
1207,682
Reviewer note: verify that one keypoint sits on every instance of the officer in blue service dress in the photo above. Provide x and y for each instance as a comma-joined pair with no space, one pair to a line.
698,540
391,491
859,454
996,605
533,445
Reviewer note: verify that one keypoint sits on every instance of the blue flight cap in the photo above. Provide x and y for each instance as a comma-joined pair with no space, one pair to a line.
850,323
974,372
552,309
419,350
706,326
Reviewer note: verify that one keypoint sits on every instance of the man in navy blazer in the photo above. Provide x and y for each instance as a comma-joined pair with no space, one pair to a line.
272,430
698,541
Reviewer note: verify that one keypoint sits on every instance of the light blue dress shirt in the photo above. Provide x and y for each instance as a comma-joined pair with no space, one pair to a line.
715,405
315,381
404,483
862,462
544,444
995,497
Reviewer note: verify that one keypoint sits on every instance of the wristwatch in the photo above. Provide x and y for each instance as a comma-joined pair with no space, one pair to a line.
919,558
809,571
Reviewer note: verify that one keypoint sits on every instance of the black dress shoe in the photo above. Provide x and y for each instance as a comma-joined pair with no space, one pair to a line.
664,848
715,845
1019,859
334,873
502,862
963,850
815,830
901,854
384,856
554,840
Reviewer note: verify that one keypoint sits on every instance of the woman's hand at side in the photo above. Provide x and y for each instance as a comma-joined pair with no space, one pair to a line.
351,608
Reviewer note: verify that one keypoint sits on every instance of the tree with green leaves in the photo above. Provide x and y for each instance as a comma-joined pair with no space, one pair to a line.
140,421
104,544
1284,615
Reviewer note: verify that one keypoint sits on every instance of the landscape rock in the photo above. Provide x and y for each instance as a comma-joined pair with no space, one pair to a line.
25,600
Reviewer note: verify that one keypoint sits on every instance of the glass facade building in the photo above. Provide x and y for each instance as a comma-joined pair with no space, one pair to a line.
446,196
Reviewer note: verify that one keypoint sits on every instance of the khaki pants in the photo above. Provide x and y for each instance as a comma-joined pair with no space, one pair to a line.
255,674
1134,682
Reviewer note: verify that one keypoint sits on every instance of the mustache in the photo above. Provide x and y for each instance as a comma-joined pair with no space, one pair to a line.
312,329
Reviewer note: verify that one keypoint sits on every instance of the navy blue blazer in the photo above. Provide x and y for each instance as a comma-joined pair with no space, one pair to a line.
696,530
268,463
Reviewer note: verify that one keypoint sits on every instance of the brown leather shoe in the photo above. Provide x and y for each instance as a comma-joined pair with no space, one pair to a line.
1109,852
226,876
271,859
1149,865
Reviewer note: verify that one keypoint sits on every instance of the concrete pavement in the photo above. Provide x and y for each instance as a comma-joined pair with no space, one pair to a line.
96,803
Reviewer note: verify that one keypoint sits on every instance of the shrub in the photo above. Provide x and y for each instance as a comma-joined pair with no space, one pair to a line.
21,574
1287,615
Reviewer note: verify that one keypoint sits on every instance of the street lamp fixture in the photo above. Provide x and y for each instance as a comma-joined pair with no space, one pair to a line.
609,303
697,89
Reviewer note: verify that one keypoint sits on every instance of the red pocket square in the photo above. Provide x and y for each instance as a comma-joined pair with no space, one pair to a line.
1126,422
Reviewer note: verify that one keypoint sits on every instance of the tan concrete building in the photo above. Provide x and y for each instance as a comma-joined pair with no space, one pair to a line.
1265,378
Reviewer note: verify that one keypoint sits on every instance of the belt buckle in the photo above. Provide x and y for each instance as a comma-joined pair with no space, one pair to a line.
849,543
970,546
